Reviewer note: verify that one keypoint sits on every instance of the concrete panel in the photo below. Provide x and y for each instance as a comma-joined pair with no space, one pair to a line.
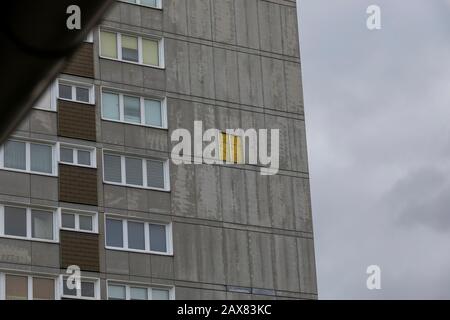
281,202
113,132
135,136
43,187
250,79
137,199
199,19
307,265
175,18
290,31
261,258
186,252
185,293
257,199
226,75
281,123
247,28
130,14
153,78
298,146
158,202
133,74
208,192
162,267
45,254
156,139
177,66
286,263
274,84
115,197
140,265
113,13
302,204
110,70
117,262
233,186
151,18
237,259
183,191
24,125
270,26
43,122
201,70
224,21
13,183
294,99
15,251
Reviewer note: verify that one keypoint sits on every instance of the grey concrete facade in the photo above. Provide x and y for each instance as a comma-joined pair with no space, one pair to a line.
236,234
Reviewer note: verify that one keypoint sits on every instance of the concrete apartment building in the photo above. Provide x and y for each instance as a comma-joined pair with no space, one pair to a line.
87,179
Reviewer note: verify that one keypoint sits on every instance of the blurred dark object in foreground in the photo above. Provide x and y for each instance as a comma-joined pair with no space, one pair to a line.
35,44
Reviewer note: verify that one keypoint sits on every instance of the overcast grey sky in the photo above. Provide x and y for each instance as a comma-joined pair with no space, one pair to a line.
378,124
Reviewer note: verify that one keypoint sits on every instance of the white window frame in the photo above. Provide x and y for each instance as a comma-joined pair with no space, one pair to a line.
96,282
74,85
169,239
53,91
138,2
89,37
77,214
121,95
123,183
160,40
75,148
28,144
30,278
29,226
149,288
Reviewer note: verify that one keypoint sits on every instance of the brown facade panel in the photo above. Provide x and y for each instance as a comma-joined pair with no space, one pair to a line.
80,249
78,185
76,120
82,62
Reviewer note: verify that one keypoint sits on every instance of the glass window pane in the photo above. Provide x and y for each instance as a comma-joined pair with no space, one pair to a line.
132,109
15,155
43,289
84,157
65,91
134,172
136,238
155,174
108,45
150,51
138,294
87,289
110,106
158,294
45,101
158,238
82,94
15,222
66,290
130,48
116,292
42,224
41,158
150,3
153,113
112,168
114,233
66,155
16,287
86,223
68,220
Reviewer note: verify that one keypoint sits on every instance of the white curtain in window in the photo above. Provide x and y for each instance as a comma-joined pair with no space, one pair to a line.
42,224
153,113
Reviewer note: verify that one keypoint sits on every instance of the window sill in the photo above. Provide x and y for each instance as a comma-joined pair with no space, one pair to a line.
136,187
142,6
154,253
135,63
80,102
79,231
136,124
31,172
77,165
47,110
30,240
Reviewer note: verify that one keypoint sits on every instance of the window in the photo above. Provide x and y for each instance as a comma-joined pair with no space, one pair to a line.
231,148
81,221
33,224
77,92
135,172
77,155
90,289
134,110
146,3
48,99
118,291
22,287
138,236
28,156
130,48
